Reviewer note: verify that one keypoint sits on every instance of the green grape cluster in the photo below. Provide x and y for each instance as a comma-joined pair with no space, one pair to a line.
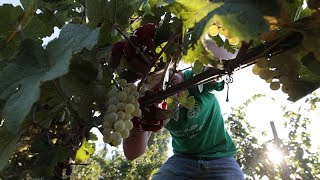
215,29
281,71
122,105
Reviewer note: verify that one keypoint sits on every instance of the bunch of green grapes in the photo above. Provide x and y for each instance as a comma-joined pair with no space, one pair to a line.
122,105
215,29
280,71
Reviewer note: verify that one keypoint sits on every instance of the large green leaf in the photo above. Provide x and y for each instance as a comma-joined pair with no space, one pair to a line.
80,83
47,156
245,18
200,53
22,76
107,14
114,11
41,25
8,27
10,23
7,145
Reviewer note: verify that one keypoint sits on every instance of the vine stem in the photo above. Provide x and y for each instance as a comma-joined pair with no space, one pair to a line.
274,47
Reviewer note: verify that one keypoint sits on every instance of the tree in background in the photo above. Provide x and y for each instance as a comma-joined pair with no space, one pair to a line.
299,161
118,167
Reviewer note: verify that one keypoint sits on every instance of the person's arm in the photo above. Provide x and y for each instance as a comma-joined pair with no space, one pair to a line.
135,145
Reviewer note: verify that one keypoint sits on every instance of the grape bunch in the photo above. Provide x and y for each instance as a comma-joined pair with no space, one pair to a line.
122,105
280,71
215,29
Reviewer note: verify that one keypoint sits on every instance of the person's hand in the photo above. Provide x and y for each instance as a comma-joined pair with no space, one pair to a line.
153,118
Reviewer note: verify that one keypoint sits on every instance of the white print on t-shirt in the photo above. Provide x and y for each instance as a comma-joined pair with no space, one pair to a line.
190,132
194,112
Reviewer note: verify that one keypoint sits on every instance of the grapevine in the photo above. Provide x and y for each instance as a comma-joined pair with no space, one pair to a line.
99,72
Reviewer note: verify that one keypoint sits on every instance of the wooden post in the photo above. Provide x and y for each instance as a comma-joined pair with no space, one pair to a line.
284,169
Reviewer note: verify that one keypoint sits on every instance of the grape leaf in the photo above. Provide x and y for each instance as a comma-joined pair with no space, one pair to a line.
8,26
41,25
114,11
245,18
107,14
201,53
197,67
22,76
63,11
8,143
43,165
85,151
79,83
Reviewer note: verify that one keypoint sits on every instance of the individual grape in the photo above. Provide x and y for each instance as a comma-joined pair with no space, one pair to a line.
265,73
126,90
128,124
130,99
225,32
274,85
107,124
285,88
136,105
113,117
132,87
120,106
127,117
112,108
107,138
125,133
269,80
234,41
116,142
137,112
256,69
129,108
262,63
115,138
113,100
121,114
107,131
122,82
122,96
135,94
213,30
119,126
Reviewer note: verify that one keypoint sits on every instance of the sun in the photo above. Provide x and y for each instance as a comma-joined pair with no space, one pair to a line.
275,155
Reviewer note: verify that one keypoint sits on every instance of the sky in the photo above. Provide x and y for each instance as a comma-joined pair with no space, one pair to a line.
259,113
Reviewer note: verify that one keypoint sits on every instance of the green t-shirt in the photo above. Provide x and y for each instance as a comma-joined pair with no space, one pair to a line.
200,132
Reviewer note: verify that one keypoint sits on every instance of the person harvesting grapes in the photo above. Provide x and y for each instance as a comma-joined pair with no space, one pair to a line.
202,147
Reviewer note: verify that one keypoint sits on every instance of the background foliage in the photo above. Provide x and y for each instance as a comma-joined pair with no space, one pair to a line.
51,95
